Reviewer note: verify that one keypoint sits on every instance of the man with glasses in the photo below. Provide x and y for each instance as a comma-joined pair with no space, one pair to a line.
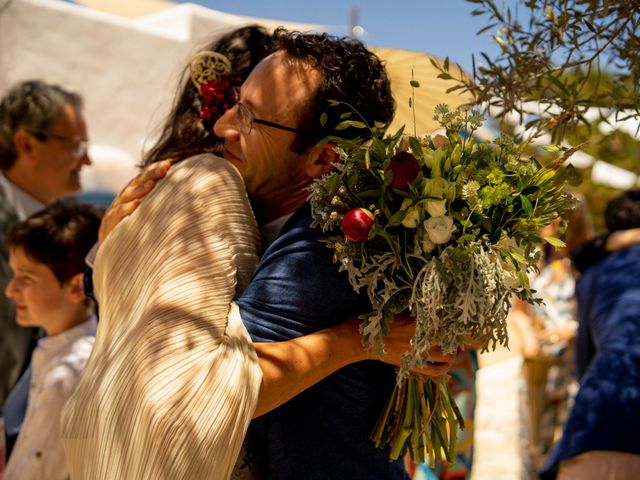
271,137
43,147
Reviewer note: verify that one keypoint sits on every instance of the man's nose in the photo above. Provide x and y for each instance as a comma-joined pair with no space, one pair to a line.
227,126
86,159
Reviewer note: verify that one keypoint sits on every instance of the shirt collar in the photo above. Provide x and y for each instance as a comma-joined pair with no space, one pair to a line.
23,203
57,342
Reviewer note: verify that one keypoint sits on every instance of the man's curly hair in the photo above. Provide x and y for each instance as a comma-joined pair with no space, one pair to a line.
350,74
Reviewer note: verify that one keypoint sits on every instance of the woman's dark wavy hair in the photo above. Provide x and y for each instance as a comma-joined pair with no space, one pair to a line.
350,73
183,133
623,212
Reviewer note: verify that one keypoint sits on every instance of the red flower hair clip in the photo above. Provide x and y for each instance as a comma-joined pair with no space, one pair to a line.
217,97
210,75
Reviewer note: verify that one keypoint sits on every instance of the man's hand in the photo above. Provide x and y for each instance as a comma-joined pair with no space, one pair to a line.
130,196
398,341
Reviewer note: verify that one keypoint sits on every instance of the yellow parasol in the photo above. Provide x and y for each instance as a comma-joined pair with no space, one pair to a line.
431,92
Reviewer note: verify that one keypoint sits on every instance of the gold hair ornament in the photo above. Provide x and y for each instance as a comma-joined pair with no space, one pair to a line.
208,66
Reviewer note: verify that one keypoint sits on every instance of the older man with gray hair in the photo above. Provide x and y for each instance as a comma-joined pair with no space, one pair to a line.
43,147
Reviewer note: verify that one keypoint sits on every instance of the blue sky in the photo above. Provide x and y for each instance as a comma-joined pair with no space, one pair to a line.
439,27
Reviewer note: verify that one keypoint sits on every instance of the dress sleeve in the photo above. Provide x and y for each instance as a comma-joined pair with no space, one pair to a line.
170,373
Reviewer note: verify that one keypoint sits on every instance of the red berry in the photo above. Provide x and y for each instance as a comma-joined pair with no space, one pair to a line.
357,224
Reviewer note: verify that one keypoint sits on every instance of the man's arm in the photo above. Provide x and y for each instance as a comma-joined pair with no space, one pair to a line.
292,366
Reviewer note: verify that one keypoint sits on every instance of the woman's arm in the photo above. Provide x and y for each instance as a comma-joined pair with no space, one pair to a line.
292,366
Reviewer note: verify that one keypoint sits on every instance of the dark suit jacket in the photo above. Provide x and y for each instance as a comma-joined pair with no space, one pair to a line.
323,433
14,340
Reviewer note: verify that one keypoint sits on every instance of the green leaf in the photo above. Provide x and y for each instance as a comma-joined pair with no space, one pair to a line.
556,242
416,148
526,205
350,123
396,218
345,115
323,118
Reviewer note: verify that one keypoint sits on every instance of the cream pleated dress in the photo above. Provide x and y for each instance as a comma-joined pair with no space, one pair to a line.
173,378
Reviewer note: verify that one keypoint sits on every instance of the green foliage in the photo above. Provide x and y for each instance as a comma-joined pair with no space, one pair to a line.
451,243
575,54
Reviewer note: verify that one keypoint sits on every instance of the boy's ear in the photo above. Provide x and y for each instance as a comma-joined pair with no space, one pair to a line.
321,160
76,289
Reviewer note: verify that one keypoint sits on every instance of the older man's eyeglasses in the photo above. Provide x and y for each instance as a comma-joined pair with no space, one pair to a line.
80,147
246,118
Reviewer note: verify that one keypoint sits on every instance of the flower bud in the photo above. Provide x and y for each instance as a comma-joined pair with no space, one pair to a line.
436,208
404,168
357,223
440,141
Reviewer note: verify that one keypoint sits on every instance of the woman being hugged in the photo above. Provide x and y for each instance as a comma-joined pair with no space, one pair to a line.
174,378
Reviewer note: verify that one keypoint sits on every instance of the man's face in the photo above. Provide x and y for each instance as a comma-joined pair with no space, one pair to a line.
57,160
39,297
277,90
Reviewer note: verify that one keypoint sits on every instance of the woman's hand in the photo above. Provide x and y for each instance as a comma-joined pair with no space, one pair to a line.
130,196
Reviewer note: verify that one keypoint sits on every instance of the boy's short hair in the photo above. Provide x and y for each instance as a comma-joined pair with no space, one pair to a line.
60,237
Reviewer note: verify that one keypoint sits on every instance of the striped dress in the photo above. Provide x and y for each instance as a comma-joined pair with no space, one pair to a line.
173,378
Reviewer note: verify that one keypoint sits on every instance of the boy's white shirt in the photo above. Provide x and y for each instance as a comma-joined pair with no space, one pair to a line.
56,365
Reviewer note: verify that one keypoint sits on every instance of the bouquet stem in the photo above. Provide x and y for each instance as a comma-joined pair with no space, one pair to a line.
421,418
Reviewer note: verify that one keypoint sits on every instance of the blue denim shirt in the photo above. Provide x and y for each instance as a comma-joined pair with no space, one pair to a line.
323,433
606,411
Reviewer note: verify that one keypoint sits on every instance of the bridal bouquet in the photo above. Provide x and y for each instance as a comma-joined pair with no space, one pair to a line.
445,229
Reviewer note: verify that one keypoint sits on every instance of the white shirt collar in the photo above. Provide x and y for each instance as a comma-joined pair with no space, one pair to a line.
270,231
61,340
23,203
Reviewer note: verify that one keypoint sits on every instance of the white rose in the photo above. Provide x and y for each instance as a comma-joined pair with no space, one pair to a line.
427,245
436,208
439,229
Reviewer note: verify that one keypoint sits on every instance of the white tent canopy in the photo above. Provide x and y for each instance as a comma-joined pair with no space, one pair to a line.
126,69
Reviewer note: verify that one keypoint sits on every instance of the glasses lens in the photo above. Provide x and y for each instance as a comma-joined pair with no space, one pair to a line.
81,149
245,119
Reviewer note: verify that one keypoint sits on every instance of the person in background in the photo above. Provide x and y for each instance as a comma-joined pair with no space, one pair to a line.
601,438
43,147
46,254
546,333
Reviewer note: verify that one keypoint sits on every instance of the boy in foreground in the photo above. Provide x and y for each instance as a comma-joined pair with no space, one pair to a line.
46,255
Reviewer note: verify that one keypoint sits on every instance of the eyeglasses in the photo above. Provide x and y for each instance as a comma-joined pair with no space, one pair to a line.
80,147
246,118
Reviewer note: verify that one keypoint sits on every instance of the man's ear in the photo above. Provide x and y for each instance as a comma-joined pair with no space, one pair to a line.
23,142
321,160
75,288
